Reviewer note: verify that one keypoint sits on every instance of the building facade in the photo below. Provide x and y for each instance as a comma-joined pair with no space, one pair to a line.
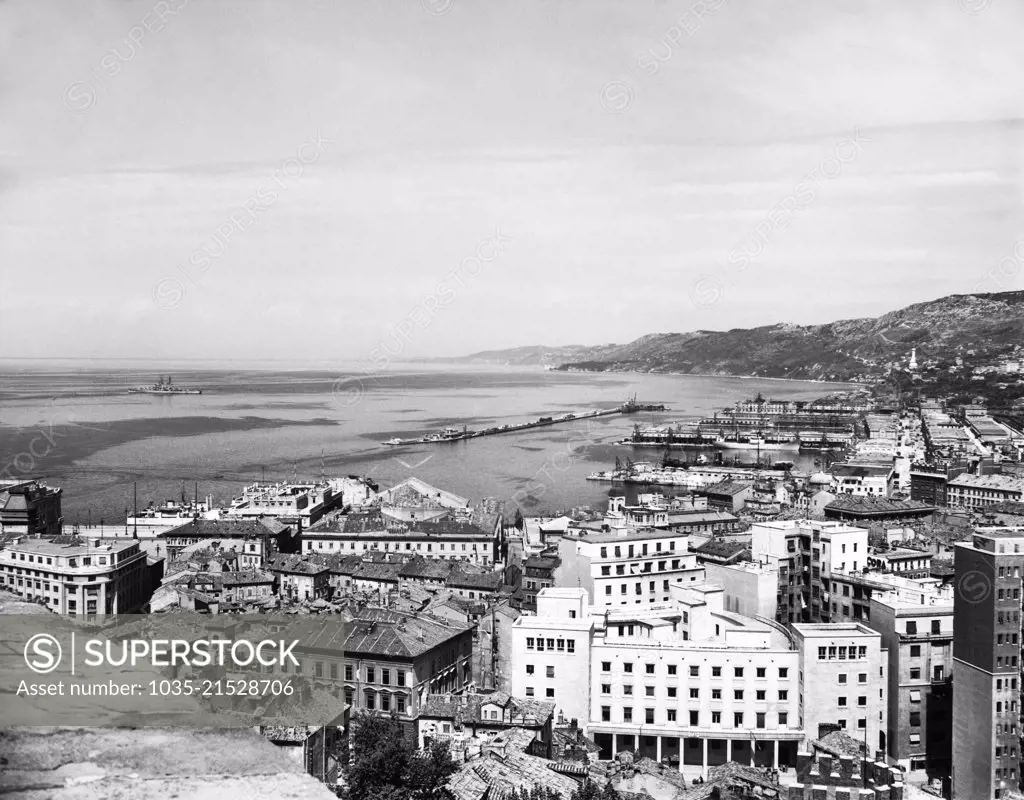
683,681
986,664
627,567
77,577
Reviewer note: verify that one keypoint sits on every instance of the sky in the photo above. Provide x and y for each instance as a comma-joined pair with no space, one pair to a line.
321,180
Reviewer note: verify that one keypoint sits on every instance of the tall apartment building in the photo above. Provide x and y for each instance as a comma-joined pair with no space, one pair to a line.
987,664
627,567
684,680
916,625
805,553
77,577
843,681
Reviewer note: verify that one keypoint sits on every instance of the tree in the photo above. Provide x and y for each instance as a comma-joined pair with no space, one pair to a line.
518,522
385,766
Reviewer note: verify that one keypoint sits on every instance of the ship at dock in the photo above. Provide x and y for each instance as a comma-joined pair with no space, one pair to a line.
164,386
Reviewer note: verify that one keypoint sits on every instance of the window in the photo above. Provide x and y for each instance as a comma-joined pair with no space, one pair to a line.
627,667
649,668
627,715
783,718
385,677
606,688
783,672
550,672
627,689
694,718
936,626
911,627
529,669
738,694
334,672
606,713
842,677
549,692
842,702
318,669
760,719
761,694
694,694
671,691
737,719
694,671
915,673
761,672
606,666
915,719
716,694
915,651
671,715
649,691
400,702
783,694
862,677
862,700
671,669
348,672
649,716
739,672
716,717
716,672
529,691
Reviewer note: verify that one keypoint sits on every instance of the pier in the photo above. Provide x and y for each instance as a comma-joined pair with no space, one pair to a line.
631,406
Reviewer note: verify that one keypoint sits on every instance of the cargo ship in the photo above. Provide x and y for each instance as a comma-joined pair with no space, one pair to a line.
163,386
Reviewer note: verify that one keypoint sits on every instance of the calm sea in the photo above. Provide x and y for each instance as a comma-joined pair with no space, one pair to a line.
80,429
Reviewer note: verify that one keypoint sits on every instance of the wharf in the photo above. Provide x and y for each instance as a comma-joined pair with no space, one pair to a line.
631,406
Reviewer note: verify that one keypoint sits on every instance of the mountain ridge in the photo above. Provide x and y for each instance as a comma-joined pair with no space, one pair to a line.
981,328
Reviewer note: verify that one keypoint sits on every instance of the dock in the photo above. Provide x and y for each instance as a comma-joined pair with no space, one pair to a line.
631,406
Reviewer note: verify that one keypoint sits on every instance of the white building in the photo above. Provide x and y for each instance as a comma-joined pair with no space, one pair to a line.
627,567
77,577
843,681
682,680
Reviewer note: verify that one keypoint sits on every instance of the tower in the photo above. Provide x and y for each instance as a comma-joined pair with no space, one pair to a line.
913,359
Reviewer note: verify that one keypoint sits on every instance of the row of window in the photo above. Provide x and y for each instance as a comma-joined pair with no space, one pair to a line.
651,587
912,626
553,645
694,694
738,718
632,549
385,701
620,569
850,653
72,561
716,672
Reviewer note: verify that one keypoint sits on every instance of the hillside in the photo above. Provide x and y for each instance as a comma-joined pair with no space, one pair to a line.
980,328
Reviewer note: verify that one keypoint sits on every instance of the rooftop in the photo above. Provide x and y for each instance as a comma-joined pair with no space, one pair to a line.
875,505
69,545
228,528
1002,482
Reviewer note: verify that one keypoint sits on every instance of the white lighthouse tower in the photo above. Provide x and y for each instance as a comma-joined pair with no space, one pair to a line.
913,359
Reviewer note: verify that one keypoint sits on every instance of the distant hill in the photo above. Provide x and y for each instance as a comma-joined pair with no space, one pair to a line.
980,328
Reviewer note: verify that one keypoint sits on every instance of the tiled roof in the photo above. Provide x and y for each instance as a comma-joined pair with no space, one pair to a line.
427,568
461,578
542,562
227,528
246,576
496,776
875,505
466,708
446,526
371,571
726,487
860,470
297,564
386,633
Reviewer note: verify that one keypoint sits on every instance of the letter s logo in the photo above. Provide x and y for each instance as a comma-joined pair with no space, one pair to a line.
43,653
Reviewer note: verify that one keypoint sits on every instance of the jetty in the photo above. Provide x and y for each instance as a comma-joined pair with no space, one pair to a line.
631,406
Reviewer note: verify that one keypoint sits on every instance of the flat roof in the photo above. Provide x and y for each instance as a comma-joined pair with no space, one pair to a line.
71,546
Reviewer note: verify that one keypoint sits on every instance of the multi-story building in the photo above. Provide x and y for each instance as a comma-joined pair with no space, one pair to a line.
538,573
843,681
877,480
805,553
749,588
902,561
987,664
683,681
256,540
28,508
387,661
477,537
916,624
77,577
459,719
623,567
305,503
980,491
301,578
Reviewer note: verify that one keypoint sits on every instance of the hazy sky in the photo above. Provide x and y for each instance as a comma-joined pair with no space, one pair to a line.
600,157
